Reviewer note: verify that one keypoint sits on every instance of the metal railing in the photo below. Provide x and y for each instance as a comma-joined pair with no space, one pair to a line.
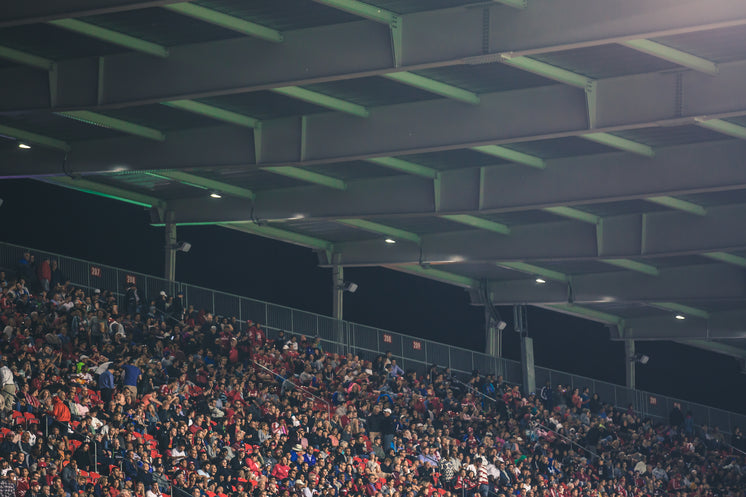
346,337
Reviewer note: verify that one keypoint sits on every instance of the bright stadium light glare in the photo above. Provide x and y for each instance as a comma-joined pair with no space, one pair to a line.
541,281
390,241
680,317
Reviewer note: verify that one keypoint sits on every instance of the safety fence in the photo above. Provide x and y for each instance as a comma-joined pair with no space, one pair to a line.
345,337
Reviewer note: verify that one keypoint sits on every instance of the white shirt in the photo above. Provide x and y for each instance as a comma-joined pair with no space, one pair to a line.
6,376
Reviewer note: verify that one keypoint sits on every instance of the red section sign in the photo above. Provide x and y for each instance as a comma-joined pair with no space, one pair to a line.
416,345
96,271
386,338
130,279
653,401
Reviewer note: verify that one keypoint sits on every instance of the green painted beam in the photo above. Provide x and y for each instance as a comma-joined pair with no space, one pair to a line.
516,4
225,21
109,36
432,86
279,234
572,213
25,59
322,100
382,229
640,267
405,166
673,55
214,112
33,138
207,183
723,127
736,260
584,312
535,270
678,204
478,222
681,308
101,190
308,176
620,143
511,155
437,275
105,121
361,9
547,70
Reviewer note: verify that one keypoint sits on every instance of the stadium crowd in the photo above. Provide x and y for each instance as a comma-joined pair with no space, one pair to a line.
110,396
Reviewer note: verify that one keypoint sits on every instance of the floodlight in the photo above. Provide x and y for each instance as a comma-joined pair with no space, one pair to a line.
680,317
183,247
215,195
350,287
541,281
390,240
24,146
501,325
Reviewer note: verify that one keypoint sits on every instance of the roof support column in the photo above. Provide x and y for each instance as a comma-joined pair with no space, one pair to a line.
493,334
520,320
630,362
170,246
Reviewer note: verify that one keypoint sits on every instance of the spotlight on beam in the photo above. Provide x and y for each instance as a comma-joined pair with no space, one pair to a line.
350,287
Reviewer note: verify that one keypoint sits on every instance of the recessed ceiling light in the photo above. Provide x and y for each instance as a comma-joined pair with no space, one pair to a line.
541,281
390,240
216,195
24,146
680,317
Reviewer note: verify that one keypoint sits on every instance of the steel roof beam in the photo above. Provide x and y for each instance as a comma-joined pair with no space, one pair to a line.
25,59
677,203
106,191
511,155
718,325
381,229
361,9
573,213
353,50
736,260
724,127
207,183
23,135
660,234
104,121
688,285
225,21
585,313
21,13
535,270
282,235
432,86
478,222
434,274
673,55
405,166
681,309
308,176
620,143
322,100
110,36
547,70
631,265
214,112
516,4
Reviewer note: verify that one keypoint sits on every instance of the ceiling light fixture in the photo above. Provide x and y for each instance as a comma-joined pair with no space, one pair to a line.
24,146
680,317
390,240
216,195
541,281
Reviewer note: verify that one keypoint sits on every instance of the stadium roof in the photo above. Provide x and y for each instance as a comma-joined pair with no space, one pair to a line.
597,145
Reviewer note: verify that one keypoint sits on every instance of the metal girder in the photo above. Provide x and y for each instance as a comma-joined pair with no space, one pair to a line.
677,203
547,70
214,112
280,234
405,166
34,138
225,21
511,155
573,213
25,59
432,273
477,222
361,9
673,55
735,260
585,313
350,50
718,325
535,270
687,285
207,183
436,87
395,233
659,234
620,143
640,267
110,36
685,310
20,13
105,121
516,4
308,176
724,127
107,191
322,100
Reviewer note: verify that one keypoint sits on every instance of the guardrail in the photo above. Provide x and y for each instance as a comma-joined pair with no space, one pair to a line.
343,337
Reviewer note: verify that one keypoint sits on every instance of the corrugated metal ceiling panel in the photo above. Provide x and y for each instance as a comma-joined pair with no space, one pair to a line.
665,136
622,208
263,105
716,198
717,45
519,218
353,170
161,117
605,61
372,92
251,178
409,6
327,230
54,43
453,159
486,78
560,147
59,127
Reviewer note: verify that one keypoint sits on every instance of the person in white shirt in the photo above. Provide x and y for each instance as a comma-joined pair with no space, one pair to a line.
8,386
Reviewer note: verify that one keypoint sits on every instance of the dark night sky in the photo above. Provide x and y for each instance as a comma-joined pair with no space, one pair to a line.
50,218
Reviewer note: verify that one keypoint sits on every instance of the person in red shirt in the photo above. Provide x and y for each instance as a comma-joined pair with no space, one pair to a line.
60,411
281,469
